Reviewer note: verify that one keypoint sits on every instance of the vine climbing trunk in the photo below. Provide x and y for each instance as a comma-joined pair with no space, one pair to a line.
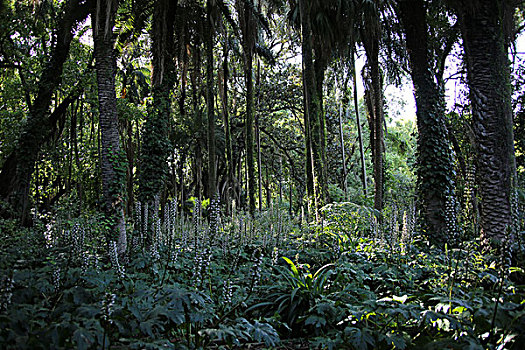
112,160
435,168
155,144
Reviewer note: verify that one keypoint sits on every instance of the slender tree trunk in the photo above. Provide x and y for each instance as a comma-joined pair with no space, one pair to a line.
230,191
358,121
258,136
319,125
312,111
342,140
212,171
249,132
435,168
482,27
196,81
112,159
248,29
378,131
130,179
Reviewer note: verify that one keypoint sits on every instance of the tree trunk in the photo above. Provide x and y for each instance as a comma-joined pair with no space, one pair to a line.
112,159
482,28
435,168
319,126
314,163
248,41
155,144
212,171
230,191
258,138
358,121
371,41
342,140
249,131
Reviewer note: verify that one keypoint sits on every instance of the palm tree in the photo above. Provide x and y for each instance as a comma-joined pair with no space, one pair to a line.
482,24
112,161
155,145
435,168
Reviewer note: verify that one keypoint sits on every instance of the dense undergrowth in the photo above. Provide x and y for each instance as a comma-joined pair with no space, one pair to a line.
267,282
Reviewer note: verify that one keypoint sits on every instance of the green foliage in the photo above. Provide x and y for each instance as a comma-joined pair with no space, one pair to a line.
194,290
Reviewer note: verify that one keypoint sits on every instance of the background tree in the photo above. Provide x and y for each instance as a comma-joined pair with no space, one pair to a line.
112,161
19,165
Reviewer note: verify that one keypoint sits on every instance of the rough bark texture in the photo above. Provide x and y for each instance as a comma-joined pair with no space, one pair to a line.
18,168
111,157
155,145
435,178
482,27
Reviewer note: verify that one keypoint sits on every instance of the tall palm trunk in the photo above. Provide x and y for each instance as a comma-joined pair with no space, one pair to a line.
488,76
111,157
435,177
155,145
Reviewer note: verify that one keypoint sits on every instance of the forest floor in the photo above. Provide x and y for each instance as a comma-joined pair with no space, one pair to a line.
263,283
